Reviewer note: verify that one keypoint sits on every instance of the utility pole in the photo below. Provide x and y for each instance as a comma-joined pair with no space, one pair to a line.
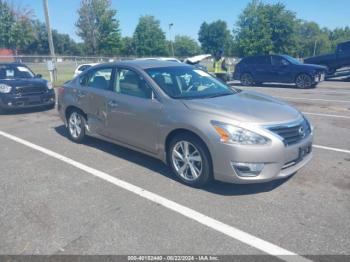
51,66
171,41
315,46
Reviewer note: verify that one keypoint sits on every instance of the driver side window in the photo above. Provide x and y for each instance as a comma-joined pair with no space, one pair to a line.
279,61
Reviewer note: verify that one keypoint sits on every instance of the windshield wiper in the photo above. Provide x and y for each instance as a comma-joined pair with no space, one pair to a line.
217,95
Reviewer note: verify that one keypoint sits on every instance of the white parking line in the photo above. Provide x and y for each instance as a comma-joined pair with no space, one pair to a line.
332,149
230,231
314,99
326,115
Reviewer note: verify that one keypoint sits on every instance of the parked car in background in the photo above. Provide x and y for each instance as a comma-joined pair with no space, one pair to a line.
81,68
334,61
169,59
21,88
182,115
278,69
195,61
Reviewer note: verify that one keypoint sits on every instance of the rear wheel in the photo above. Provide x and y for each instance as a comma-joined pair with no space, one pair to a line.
247,79
76,126
190,160
303,81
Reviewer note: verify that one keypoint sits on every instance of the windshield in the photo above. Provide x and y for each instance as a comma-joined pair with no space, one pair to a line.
292,60
15,72
188,83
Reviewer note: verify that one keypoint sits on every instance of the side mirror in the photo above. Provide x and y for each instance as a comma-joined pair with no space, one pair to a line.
38,75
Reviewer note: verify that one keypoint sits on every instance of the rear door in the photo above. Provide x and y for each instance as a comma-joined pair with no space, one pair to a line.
262,66
133,113
97,88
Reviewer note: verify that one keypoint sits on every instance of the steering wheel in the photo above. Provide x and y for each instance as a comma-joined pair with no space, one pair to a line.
194,85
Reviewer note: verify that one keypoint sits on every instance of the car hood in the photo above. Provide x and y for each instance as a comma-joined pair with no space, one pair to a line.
28,82
315,67
246,106
320,57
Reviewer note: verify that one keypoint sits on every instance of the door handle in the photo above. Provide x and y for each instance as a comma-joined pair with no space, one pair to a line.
112,103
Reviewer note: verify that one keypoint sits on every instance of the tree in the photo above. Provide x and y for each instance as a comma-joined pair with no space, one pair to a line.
6,21
339,35
128,48
311,38
214,37
64,45
98,27
266,28
149,38
15,26
186,46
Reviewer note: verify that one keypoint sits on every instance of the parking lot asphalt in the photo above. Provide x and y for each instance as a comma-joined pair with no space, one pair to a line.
48,206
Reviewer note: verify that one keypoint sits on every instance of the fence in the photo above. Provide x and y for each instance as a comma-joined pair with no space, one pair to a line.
66,65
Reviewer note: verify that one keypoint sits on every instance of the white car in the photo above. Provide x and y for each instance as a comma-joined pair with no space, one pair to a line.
169,59
82,68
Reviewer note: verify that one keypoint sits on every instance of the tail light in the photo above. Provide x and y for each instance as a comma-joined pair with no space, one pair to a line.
61,90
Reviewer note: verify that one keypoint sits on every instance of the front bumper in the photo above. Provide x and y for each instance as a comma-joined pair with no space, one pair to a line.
279,161
13,101
320,77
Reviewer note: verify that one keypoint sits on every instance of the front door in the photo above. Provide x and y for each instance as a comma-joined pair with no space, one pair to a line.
280,70
133,112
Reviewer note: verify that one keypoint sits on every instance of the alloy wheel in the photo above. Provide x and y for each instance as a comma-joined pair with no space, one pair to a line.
303,81
75,125
246,80
187,161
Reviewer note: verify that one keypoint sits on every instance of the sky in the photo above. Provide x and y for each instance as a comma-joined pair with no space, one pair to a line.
187,15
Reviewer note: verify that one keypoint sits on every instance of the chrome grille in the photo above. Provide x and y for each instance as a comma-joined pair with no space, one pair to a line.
293,133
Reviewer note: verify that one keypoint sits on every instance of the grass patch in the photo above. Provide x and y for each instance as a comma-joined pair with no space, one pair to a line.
65,71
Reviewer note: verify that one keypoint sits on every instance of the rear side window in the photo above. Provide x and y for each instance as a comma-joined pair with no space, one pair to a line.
98,78
262,60
256,60
83,67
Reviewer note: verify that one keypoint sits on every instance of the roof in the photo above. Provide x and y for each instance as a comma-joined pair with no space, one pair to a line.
146,64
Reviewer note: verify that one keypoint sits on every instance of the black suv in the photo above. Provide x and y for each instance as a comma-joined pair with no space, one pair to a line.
21,88
334,61
278,69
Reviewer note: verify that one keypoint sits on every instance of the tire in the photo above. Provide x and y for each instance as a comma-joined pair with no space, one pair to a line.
197,170
304,81
76,126
247,79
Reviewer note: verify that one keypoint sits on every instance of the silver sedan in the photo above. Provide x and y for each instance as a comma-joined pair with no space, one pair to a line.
201,127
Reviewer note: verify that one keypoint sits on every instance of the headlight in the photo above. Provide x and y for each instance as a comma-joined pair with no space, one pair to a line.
5,89
49,85
233,134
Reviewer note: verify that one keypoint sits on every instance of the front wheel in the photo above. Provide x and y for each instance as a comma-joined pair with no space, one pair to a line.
76,126
303,81
247,79
190,160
